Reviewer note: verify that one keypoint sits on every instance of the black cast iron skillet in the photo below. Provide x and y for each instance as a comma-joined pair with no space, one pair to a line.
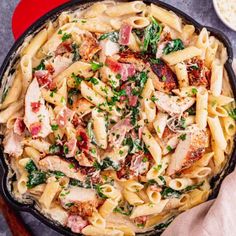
11,59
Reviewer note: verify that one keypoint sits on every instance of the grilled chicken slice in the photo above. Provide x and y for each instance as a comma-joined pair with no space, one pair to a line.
36,114
173,104
134,59
55,163
109,48
188,151
89,47
163,77
84,200
13,144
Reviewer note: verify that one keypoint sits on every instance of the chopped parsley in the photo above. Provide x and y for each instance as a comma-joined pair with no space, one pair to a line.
54,127
169,148
94,81
163,78
153,98
65,36
77,79
194,91
41,66
182,137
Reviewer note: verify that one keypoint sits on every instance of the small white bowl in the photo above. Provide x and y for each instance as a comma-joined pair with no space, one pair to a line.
219,14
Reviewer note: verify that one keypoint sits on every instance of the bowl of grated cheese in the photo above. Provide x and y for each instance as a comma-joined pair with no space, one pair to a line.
226,11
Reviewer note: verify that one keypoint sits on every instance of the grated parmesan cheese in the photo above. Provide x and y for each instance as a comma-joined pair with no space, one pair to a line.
227,9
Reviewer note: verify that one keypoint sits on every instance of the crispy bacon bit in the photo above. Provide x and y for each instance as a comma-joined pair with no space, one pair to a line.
76,223
113,64
35,128
118,132
84,209
71,144
124,35
64,47
133,99
166,80
49,68
124,172
89,47
138,166
198,74
19,126
141,220
64,116
44,78
125,70
82,139
35,106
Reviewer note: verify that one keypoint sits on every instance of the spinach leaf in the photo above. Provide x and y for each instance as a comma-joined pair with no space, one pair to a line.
173,46
232,113
164,225
170,193
124,210
151,36
30,166
113,36
75,52
106,163
35,178
99,191
192,187
41,66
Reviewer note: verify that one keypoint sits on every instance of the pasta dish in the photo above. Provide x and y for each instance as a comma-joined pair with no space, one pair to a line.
116,118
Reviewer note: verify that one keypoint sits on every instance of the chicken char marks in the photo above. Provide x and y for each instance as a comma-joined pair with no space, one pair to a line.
166,80
163,77
188,151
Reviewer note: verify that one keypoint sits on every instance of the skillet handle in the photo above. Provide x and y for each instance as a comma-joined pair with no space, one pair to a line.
13,220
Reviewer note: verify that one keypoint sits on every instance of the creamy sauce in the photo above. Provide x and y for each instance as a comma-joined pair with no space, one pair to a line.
227,9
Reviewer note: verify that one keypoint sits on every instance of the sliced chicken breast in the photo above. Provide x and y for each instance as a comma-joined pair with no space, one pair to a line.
55,163
36,114
173,105
188,151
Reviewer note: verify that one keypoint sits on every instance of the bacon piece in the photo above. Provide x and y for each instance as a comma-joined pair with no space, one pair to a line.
132,99
125,70
137,166
89,47
64,47
165,79
118,131
64,116
35,128
35,106
140,220
114,65
82,139
71,144
125,33
44,78
49,68
76,223
19,126
188,151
